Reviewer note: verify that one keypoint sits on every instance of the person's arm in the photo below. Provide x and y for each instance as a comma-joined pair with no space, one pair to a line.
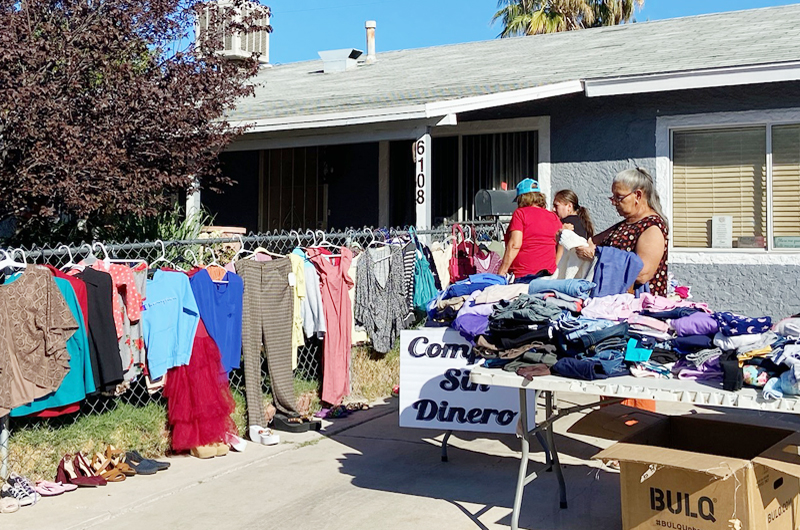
587,252
650,248
559,253
512,249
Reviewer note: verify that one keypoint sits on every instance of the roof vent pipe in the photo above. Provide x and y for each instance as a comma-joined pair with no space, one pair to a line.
371,57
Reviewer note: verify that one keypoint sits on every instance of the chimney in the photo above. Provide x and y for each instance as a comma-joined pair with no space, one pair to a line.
371,57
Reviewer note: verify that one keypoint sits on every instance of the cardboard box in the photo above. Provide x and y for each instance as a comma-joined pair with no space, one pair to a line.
703,472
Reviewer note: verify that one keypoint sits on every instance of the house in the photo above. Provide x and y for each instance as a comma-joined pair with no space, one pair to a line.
710,105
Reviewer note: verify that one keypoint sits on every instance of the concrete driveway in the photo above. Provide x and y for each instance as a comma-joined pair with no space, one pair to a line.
362,472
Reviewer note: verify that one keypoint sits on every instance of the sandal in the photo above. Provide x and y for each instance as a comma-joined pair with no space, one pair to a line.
67,475
9,505
83,469
115,457
45,488
114,475
281,422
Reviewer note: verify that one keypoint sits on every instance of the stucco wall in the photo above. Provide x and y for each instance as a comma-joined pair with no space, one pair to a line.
594,138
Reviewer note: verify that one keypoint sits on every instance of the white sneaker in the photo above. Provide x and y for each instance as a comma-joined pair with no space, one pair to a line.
268,437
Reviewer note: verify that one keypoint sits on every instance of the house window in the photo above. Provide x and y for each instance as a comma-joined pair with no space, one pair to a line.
727,172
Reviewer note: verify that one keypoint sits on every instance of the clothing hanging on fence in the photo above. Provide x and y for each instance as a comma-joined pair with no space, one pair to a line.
409,257
35,324
103,343
335,283
311,307
170,319
199,399
132,341
358,333
380,299
79,381
442,252
298,295
487,261
267,319
220,306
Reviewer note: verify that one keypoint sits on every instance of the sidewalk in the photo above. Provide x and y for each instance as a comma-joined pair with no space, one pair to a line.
363,472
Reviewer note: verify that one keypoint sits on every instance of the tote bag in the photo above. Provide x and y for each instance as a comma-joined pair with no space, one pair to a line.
424,284
462,262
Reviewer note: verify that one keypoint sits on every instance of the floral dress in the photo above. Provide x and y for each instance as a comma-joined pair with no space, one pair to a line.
625,236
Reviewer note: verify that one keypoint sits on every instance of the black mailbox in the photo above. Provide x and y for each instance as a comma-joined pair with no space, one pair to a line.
495,202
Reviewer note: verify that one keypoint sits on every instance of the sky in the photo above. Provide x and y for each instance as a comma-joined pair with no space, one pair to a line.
302,28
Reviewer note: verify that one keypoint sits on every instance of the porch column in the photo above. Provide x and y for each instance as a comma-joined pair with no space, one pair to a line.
383,183
193,203
422,183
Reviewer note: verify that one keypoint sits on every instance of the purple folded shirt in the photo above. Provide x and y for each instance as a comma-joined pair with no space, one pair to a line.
711,370
696,324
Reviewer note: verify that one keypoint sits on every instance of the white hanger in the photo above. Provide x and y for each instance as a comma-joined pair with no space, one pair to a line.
297,235
106,259
71,262
215,263
163,256
241,249
194,256
8,261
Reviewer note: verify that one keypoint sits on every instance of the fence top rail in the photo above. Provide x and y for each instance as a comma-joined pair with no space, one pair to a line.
36,252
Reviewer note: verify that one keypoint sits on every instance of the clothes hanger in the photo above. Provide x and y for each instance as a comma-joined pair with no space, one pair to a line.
8,261
71,262
106,259
297,235
163,256
215,263
191,253
241,250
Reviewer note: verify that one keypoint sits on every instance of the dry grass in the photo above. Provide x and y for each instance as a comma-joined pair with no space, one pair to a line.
374,374
35,449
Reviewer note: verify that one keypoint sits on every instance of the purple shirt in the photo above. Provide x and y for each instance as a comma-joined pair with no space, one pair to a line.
473,319
696,324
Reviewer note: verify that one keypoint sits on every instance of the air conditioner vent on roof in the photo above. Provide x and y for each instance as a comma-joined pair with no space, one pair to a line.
339,60
235,44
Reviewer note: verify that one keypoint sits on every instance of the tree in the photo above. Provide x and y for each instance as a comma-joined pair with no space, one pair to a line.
532,17
108,109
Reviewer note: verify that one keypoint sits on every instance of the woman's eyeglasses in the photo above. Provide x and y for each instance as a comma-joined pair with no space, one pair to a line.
616,199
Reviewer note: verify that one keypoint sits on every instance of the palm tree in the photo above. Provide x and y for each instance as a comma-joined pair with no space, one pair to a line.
531,17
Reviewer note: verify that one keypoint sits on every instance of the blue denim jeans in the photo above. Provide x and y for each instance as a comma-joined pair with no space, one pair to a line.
577,288
596,337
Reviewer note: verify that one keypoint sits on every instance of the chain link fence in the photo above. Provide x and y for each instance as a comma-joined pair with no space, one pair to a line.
185,254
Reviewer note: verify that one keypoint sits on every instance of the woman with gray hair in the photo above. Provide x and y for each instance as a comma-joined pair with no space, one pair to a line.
644,229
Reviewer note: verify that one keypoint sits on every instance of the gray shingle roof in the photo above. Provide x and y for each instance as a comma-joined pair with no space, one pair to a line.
425,75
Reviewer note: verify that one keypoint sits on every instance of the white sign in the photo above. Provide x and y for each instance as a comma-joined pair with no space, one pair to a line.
722,231
435,391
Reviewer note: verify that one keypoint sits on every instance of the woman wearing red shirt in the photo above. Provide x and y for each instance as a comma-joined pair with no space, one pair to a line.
531,236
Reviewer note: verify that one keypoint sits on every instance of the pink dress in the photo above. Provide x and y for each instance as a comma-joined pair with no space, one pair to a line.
335,284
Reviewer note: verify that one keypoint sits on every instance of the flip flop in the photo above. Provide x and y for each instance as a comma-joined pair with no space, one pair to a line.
45,488
67,486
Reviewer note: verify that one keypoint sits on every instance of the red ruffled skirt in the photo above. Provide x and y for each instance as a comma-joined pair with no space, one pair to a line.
200,402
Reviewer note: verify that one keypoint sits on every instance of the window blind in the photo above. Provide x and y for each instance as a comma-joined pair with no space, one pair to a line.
786,181
719,172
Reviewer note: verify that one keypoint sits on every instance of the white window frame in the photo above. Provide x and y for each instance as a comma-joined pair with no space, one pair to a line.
665,126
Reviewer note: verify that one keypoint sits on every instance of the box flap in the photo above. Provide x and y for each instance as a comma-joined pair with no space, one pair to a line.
783,456
717,466
615,422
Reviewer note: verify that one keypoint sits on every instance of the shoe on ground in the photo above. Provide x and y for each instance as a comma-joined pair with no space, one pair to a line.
222,449
8,505
269,437
236,443
254,433
204,452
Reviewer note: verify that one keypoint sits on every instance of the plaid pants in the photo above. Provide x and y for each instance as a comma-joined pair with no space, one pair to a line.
267,320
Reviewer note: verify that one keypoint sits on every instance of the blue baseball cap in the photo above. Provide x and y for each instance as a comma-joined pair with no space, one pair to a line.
527,186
